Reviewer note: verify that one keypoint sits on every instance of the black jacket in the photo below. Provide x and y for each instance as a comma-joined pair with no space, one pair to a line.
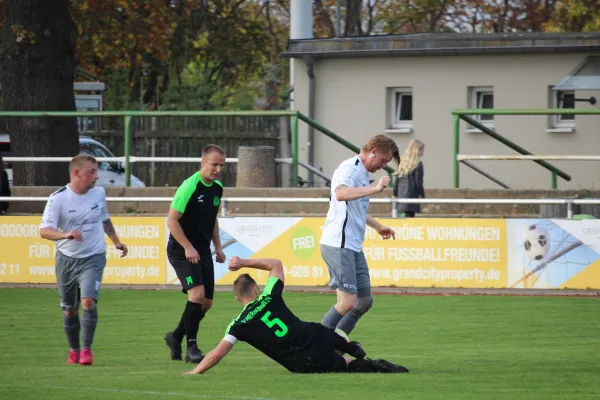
4,192
410,187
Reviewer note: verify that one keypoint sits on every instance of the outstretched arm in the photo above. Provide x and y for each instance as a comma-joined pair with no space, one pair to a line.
212,358
274,266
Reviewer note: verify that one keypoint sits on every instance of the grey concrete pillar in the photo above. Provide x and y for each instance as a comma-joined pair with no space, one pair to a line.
256,167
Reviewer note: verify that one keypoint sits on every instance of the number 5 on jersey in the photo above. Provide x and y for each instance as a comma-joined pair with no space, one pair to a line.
283,329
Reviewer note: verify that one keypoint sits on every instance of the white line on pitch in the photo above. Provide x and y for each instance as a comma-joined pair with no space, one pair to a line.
147,392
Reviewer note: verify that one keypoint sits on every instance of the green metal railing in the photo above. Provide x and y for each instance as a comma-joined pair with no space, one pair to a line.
465,114
335,137
128,127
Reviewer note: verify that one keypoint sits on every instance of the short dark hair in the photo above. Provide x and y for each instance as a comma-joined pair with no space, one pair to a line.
243,285
212,148
78,160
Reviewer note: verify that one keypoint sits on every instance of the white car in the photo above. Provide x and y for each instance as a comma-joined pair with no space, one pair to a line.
109,173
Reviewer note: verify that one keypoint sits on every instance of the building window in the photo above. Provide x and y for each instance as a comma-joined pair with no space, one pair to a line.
563,99
482,98
401,108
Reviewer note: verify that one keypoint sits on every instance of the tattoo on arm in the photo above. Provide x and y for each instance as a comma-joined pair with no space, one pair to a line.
340,187
109,229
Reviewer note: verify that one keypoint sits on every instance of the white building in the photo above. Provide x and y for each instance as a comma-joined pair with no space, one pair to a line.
405,86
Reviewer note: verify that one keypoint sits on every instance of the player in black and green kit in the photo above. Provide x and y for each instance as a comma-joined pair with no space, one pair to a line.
192,220
268,325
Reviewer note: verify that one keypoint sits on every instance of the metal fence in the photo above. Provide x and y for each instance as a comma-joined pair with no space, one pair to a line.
129,117
466,115
392,201
185,137
179,133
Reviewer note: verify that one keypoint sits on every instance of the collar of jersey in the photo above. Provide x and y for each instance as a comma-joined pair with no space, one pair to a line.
362,165
262,295
202,180
74,192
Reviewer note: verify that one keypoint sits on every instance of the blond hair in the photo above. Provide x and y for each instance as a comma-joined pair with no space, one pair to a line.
385,144
410,159
79,160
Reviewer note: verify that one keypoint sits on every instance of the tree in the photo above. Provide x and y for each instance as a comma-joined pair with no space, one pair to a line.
508,15
416,16
38,65
157,47
131,36
358,17
575,16
227,48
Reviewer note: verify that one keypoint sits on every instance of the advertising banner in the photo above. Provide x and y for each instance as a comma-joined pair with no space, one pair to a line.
27,258
554,254
427,252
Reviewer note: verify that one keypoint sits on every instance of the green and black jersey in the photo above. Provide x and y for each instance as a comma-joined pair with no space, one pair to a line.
268,325
199,203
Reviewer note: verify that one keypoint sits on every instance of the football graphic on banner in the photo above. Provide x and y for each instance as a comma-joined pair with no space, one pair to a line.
537,243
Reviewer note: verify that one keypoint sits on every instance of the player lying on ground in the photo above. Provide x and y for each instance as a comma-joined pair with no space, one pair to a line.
268,325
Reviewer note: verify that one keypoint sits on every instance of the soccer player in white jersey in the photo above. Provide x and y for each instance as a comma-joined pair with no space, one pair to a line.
344,231
76,218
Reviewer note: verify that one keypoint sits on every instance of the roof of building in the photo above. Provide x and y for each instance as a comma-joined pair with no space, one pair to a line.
423,44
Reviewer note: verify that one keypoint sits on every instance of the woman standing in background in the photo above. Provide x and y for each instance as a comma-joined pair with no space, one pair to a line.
409,178
4,187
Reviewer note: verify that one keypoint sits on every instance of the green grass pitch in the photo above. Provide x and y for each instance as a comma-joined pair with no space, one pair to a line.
456,347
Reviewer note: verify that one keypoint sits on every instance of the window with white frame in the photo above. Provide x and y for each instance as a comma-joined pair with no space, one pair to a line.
401,108
563,99
482,98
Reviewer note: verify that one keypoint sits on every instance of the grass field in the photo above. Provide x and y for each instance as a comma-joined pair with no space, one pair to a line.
456,347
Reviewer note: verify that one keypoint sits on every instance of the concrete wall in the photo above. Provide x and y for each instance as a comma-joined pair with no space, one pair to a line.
314,208
351,100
